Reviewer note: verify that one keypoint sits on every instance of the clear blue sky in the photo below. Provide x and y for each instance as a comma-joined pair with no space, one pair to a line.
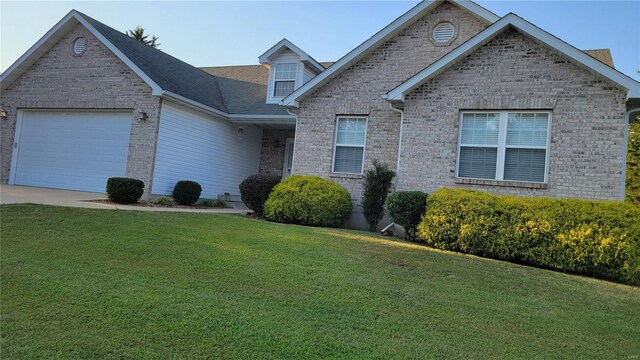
208,33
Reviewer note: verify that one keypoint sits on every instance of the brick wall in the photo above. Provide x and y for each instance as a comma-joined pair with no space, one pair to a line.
273,148
586,153
359,89
95,80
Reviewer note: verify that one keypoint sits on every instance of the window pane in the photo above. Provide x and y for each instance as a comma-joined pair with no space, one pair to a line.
351,131
286,71
477,163
527,129
283,88
348,159
524,164
480,129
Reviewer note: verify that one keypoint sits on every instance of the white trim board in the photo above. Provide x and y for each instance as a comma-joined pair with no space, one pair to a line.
398,94
381,36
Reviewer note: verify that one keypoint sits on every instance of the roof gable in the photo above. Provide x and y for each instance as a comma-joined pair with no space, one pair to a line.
161,71
511,20
286,44
379,38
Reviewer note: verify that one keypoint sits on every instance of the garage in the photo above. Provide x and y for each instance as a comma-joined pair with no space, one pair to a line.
75,150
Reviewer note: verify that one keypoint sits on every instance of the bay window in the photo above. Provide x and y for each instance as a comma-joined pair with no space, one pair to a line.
504,145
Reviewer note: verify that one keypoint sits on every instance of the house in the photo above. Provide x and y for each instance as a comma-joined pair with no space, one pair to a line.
449,94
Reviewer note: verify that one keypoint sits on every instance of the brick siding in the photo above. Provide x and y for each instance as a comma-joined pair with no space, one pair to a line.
359,89
274,143
512,72
95,80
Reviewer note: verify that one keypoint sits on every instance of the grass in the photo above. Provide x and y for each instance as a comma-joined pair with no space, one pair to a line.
80,283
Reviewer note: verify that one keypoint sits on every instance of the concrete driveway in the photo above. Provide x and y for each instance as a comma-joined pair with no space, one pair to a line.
13,194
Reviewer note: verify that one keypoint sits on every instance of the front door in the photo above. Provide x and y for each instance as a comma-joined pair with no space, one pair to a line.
288,158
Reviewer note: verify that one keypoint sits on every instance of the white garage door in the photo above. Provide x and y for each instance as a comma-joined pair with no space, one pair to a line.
71,150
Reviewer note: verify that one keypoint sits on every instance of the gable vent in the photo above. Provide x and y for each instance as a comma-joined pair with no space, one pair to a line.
79,46
443,32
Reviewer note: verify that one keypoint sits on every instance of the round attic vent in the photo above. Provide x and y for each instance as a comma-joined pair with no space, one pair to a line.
443,32
79,46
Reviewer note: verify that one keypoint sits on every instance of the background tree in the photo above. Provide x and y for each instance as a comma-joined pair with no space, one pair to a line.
138,34
633,163
377,182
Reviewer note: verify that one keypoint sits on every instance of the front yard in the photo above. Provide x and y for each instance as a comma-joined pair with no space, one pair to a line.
81,283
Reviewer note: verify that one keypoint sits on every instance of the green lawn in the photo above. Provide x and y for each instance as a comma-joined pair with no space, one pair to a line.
79,283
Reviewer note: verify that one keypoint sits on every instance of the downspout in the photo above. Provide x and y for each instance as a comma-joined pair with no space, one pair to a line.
401,111
390,226
295,138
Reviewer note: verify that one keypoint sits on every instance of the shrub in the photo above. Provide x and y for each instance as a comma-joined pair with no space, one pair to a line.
213,203
186,192
124,190
377,182
600,239
164,201
406,209
633,164
255,190
308,200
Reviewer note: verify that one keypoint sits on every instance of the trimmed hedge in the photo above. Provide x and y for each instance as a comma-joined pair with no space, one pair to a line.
406,209
186,192
596,238
308,200
255,190
124,190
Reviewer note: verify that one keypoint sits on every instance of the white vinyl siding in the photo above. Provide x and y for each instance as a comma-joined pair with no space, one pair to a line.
75,150
202,148
349,144
509,146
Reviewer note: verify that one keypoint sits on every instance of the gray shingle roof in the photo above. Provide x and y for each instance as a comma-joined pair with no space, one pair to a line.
231,89
169,73
244,88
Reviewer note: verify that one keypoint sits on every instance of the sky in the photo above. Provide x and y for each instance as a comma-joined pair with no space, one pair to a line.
215,33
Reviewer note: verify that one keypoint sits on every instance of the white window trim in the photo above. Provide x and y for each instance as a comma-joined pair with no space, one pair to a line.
502,143
335,143
294,79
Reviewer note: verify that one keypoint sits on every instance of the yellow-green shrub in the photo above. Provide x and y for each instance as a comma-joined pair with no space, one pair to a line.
597,238
308,200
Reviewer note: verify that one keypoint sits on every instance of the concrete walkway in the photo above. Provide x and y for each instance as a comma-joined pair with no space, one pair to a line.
13,194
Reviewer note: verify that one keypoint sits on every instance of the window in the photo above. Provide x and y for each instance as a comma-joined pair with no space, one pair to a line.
348,153
285,79
509,146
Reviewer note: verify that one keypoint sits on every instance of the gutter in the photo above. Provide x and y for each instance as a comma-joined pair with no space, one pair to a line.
223,115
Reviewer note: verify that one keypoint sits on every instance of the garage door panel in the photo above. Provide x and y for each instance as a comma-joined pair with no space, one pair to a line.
72,150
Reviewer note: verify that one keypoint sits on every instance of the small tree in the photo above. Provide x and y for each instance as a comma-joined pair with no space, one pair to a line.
377,183
406,208
138,34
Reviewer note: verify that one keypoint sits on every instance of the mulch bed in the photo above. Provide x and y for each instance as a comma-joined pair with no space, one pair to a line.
144,203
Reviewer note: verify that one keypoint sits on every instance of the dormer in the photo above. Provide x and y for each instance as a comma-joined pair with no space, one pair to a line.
289,68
